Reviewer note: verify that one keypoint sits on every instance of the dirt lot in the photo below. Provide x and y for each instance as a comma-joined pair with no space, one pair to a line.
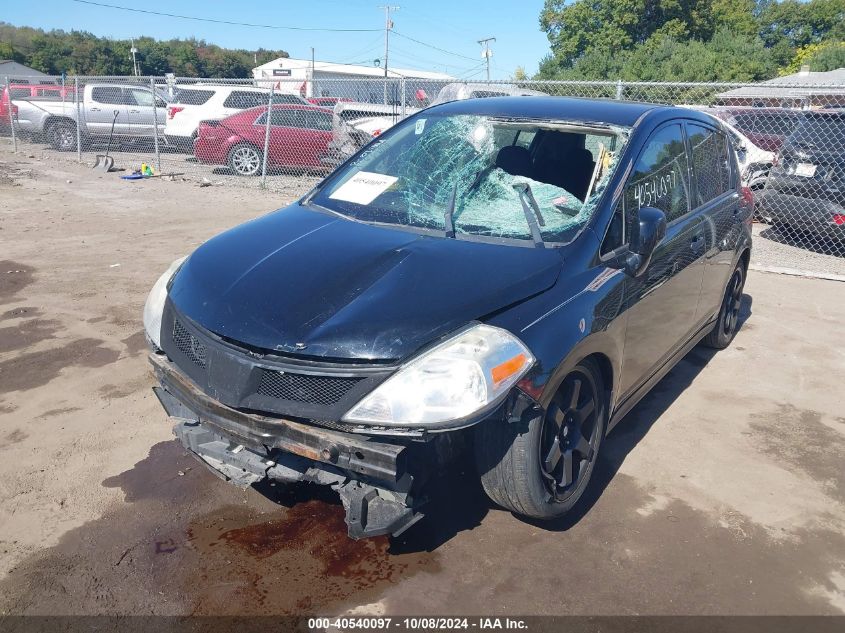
723,492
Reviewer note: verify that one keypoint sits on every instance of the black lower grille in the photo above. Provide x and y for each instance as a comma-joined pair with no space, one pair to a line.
324,390
188,344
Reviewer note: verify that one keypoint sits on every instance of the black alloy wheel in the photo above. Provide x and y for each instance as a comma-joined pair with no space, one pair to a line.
727,322
570,436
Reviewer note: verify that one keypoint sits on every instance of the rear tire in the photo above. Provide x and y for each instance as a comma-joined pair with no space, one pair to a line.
727,323
543,470
245,160
62,136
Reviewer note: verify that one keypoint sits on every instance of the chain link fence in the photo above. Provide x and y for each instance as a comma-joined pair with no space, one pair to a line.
285,134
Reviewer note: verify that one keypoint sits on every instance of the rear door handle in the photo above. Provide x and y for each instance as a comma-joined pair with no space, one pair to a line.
135,111
95,109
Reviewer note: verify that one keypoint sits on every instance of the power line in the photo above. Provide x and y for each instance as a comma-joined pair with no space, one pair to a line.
442,50
230,23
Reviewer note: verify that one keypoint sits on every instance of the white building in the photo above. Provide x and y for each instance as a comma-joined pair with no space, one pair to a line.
347,81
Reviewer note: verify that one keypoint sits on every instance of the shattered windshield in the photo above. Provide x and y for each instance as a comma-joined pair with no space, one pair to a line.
481,176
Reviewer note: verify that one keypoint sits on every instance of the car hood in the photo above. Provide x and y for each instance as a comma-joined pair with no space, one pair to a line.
313,284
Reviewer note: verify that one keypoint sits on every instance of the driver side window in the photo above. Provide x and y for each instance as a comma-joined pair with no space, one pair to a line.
660,177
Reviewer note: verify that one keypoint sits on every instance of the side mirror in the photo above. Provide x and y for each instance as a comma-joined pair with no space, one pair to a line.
652,230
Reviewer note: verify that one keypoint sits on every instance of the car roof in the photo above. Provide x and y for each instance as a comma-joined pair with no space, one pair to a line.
610,111
282,106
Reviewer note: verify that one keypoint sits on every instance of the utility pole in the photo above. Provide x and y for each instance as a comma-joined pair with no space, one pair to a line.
487,53
388,24
134,50
313,86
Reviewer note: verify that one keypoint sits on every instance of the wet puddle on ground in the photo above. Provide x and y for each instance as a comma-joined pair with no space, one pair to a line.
293,561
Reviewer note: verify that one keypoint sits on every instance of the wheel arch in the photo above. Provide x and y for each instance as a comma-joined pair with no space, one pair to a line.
56,119
604,352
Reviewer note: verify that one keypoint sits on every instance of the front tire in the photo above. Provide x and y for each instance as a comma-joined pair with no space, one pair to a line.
543,470
727,323
245,160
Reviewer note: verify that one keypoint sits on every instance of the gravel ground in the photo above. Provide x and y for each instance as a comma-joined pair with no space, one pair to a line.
776,249
130,157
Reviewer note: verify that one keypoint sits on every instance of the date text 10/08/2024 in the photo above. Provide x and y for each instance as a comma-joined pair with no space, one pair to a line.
414,624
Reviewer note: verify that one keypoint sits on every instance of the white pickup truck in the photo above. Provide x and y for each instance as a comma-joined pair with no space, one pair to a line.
135,110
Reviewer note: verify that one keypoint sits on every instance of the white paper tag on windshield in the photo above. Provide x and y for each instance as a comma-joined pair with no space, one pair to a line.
363,187
419,127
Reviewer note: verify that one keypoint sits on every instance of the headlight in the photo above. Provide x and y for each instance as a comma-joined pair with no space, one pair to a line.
154,306
464,375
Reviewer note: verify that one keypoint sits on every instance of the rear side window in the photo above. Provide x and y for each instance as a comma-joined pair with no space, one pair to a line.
317,120
192,97
282,118
659,178
242,99
21,93
140,97
107,94
710,163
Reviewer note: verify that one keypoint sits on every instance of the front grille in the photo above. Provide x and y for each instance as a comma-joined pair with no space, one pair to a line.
324,390
188,344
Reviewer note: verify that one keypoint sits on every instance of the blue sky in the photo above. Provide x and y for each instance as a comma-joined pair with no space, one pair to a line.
452,25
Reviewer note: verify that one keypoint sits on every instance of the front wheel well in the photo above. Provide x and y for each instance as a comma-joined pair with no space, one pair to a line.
745,258
55,120
606,369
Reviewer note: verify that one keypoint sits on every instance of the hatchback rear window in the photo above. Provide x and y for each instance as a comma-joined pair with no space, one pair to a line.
192,97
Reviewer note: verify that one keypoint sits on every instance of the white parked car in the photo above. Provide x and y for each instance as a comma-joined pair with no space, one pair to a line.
200,102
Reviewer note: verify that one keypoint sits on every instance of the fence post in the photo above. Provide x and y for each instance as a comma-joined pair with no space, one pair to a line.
403,97
619,89
155,124
11,116
76,99
266,139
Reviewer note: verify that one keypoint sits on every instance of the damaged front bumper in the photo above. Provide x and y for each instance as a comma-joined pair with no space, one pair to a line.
375,479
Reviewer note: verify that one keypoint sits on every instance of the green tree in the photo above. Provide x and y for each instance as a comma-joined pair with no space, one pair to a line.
83,53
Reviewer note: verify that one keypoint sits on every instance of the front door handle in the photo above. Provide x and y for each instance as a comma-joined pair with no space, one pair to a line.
135,111
697,244
95,109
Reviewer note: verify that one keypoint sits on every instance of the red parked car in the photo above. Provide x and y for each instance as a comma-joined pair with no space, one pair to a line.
767,128
5,121
299,136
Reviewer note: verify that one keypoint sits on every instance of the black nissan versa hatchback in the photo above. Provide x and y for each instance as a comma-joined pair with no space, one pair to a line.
507,274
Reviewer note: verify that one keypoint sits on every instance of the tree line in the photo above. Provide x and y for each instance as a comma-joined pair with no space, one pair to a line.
82,53
691,40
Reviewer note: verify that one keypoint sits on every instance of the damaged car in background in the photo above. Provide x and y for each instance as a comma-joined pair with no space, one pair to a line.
494,281
355,124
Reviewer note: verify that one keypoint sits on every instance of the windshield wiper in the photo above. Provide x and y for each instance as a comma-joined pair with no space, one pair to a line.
532,213
450,211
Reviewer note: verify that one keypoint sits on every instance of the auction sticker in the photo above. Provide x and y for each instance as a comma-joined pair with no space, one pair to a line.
419,126
363,187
